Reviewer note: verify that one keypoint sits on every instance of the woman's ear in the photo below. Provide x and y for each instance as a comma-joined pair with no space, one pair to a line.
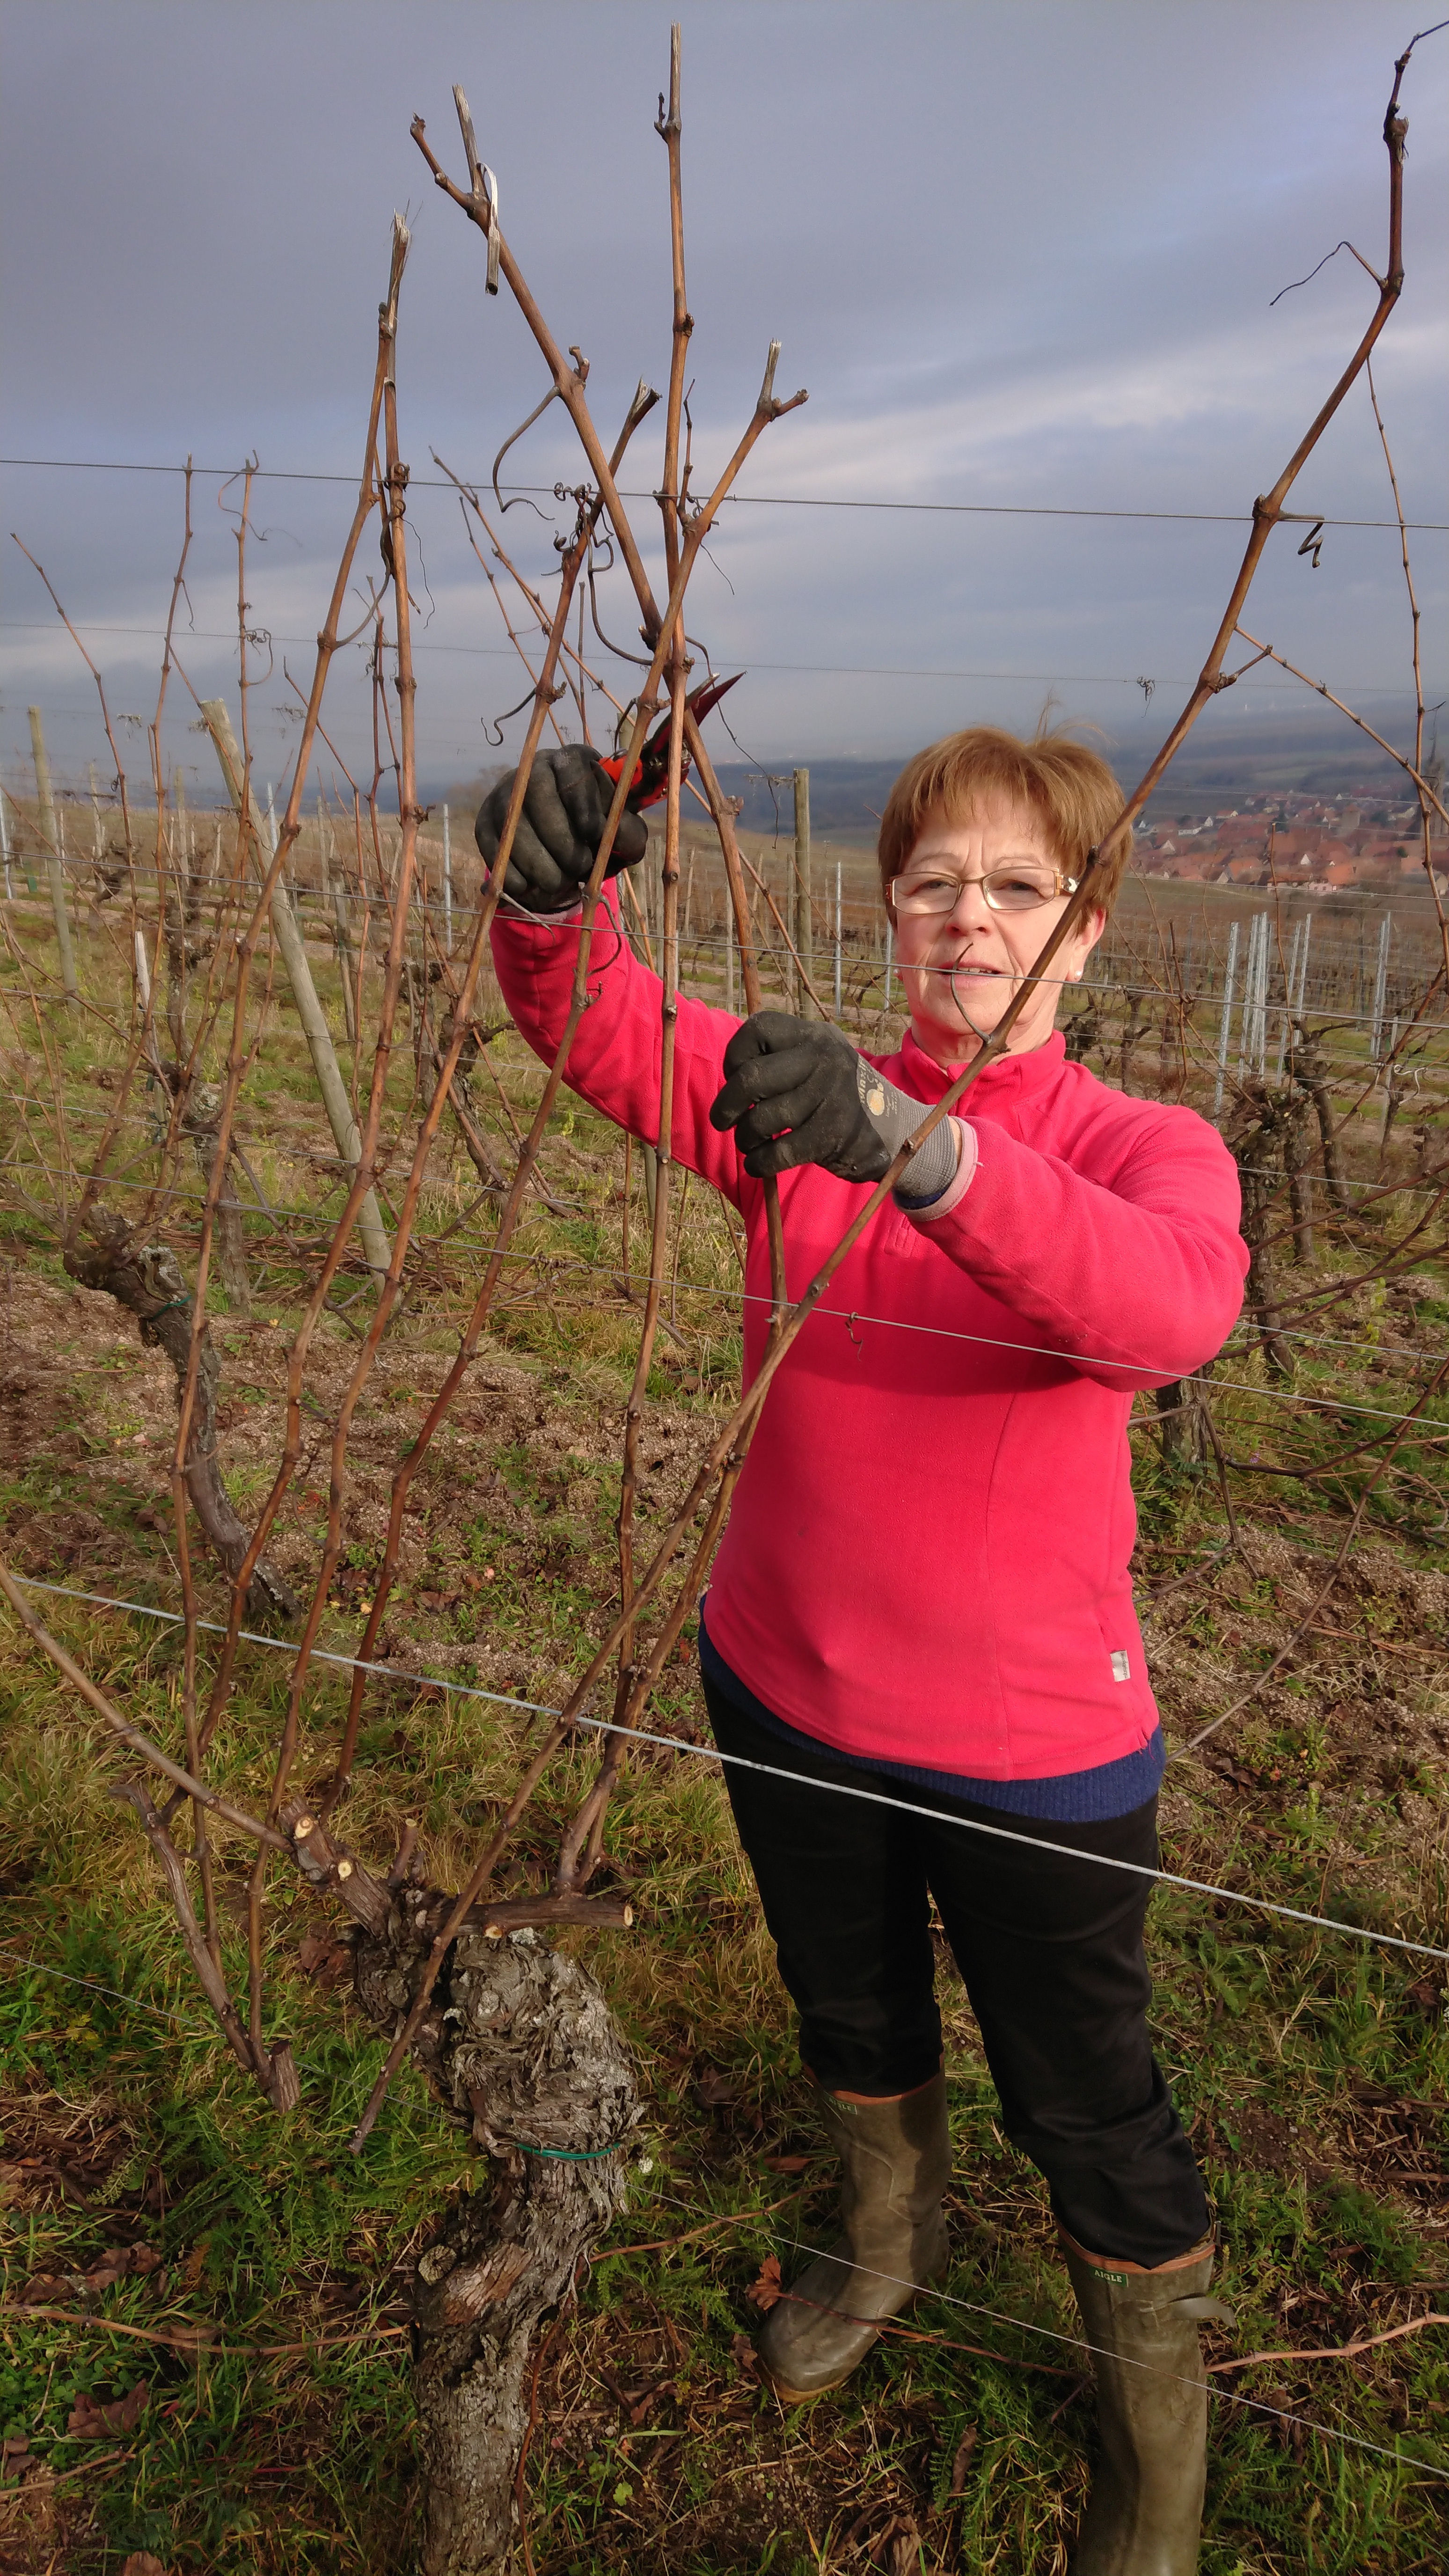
1088,931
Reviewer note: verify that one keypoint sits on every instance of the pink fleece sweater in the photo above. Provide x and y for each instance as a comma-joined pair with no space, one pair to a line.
926,1559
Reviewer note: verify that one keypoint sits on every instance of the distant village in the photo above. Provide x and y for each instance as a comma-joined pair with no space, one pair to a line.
1326,845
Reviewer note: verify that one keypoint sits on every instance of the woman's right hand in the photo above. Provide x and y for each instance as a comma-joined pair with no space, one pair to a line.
565,807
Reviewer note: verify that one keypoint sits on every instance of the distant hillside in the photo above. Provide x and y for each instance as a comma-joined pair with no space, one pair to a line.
1219,763
1224,758
1257,755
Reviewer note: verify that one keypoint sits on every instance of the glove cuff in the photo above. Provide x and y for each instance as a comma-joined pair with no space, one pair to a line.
893,1114
929,1174
916,1205
512,910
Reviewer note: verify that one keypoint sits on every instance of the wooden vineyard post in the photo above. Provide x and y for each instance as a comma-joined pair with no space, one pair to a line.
375,1245
804,911
53,868
1225,1032
334,890
1381,986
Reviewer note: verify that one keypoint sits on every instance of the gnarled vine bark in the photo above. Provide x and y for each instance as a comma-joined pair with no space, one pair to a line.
146,1279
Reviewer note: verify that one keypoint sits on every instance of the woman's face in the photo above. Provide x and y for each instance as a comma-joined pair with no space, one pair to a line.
961,968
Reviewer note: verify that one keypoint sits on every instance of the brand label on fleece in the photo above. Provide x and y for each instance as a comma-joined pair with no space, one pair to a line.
1121,1665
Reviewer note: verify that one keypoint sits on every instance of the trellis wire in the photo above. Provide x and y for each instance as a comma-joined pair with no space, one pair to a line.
772,1771
1079,2343
1293,1002
942,2298
198,2029
317,1215
726,1294
756,500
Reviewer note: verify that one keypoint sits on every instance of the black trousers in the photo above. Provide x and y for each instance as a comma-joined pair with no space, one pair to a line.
1050,1950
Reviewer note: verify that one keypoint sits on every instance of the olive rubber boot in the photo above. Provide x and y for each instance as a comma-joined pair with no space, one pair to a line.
897,2161
1144,2516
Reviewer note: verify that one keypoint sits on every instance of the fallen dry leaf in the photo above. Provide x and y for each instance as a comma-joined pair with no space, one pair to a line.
901,2546
768,2287
42,2288
323,1956
635,2402
90,2422
141,2563
962,2461
714,2088
121,2264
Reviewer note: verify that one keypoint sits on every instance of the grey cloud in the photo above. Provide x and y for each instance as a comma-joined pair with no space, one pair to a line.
1018,255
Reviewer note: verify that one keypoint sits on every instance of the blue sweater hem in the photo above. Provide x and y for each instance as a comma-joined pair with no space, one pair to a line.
1068,1798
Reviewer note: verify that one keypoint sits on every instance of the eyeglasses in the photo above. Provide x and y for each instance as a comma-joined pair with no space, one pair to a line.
1021,887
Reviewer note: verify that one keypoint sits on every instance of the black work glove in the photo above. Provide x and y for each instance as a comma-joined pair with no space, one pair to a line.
797,1092
565,807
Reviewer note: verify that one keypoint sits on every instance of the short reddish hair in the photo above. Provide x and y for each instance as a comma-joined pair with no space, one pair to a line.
1068,787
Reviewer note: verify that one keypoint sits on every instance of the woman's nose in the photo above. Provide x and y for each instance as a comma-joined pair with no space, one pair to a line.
971,911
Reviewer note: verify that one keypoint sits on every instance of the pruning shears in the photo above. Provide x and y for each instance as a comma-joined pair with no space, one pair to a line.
651,769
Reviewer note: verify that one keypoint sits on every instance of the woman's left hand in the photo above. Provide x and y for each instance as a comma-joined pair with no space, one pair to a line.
793,1095
797,1092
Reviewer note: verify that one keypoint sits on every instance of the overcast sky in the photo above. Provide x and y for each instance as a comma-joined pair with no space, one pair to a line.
1022,255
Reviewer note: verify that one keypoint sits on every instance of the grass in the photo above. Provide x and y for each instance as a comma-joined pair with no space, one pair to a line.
146,2185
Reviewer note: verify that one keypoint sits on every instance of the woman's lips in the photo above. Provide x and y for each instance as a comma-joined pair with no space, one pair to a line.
956,970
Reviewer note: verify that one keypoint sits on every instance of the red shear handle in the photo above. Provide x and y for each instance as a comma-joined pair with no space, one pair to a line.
651,770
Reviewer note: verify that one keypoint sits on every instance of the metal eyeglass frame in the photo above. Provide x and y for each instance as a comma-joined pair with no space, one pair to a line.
1061,884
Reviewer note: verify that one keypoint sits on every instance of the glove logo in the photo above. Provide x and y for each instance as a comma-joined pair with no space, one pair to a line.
875,1100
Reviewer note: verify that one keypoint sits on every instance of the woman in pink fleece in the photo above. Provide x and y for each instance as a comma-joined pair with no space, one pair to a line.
923,1589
